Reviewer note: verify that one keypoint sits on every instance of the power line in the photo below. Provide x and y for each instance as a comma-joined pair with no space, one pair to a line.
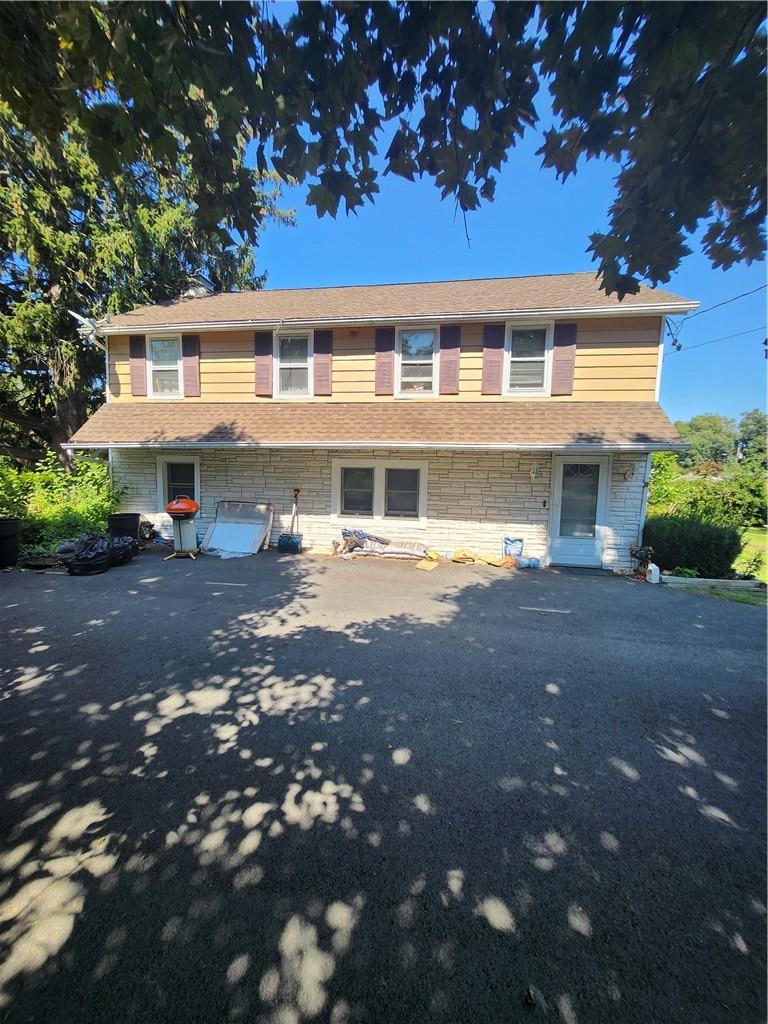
675,329
725,337
725,302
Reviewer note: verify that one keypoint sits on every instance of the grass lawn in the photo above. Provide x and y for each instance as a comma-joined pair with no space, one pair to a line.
755,540
753,597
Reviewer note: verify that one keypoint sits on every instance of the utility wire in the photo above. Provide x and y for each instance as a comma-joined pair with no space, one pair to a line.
725,337
675,329
717,305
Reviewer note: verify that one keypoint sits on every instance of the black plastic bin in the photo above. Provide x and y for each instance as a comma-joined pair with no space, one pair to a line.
124,524
10,531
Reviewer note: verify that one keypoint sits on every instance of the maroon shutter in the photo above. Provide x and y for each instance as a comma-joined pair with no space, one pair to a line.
190,364
137,357
322,359
563,359
493,359
263,364
385,360
450,347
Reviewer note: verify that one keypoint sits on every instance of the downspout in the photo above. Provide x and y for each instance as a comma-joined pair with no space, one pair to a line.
649,456
646,492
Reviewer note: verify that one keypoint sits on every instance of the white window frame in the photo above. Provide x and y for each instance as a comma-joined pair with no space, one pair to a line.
298,333
162,477
150,365
435,390
379,467
513,325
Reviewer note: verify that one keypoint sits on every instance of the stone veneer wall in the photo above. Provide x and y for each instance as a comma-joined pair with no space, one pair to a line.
474,499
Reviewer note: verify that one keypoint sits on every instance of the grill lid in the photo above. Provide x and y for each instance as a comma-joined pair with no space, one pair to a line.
182,507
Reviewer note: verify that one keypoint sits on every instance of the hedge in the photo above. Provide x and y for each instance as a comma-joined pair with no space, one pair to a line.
692,543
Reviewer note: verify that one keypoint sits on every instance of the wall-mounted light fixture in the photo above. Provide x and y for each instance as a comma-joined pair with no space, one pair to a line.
534,472
630,473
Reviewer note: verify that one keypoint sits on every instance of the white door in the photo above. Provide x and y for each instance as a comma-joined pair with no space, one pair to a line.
579,508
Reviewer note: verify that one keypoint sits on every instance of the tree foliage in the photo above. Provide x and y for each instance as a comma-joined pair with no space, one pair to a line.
712,438
71,239
673,92
721,478
753,438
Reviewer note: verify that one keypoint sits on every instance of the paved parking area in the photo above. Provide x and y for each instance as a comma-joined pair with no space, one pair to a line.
290,790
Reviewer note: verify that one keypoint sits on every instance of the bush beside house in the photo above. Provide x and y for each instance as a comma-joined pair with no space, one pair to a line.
690,543
55,504
699,513
735,496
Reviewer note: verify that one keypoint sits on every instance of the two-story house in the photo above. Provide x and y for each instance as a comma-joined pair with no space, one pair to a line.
455,412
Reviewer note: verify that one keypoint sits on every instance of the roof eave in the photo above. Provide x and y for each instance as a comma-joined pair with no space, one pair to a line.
639,309
645,446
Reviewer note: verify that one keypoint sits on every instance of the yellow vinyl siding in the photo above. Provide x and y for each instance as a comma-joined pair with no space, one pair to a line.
616,360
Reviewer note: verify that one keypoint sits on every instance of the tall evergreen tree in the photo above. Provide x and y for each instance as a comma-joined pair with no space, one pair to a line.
73,241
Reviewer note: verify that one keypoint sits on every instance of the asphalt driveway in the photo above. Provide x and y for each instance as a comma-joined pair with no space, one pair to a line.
291,790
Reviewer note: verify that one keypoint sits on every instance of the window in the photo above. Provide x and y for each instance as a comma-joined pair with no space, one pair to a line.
177,474
416,350
293,355
527,353
164,367
180,480
401,493
382,489
578,500
357,491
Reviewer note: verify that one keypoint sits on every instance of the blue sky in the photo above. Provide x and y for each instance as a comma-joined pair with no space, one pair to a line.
535,225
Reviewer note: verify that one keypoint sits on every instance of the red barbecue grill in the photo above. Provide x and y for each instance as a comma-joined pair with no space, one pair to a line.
182,511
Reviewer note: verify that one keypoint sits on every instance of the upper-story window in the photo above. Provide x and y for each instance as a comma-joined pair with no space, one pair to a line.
293,365
528,351
164,367
416,362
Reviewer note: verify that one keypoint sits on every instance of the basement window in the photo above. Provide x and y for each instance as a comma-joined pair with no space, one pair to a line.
357,491
379,489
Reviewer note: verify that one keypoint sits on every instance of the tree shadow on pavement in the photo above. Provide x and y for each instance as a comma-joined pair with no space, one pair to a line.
262,804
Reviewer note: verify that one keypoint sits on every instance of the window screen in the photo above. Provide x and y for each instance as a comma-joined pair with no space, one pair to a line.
181,480
357,491
401,496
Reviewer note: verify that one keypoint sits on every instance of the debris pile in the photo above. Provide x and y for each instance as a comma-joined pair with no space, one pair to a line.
360,544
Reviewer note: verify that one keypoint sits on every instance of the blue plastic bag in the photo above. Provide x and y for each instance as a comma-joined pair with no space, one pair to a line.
512,547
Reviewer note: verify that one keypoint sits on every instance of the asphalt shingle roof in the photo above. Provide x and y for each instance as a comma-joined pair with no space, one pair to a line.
454,424
494,296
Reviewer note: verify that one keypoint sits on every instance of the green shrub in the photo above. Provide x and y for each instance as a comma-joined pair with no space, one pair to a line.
14,491
707,547
685,572
55,504
751,566
736,499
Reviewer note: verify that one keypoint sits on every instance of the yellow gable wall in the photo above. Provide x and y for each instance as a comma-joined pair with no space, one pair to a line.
616,360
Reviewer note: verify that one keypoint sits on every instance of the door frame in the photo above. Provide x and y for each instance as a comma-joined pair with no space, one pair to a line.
603,493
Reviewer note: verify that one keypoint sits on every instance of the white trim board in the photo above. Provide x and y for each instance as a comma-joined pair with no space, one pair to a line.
352,445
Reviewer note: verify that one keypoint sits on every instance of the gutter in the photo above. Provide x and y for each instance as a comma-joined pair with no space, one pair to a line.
104,330
437,445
